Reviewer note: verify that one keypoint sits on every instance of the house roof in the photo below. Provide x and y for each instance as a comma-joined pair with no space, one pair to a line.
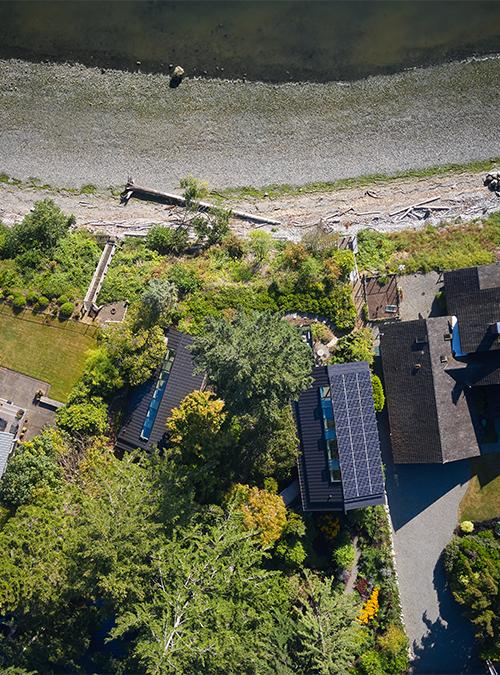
357,433
6,445
426,393
357,440
473,296
181,381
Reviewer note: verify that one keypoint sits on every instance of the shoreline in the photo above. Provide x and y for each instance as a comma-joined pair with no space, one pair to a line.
72,125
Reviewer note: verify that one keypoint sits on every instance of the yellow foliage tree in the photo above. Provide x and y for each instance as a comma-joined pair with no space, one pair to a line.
262,511
196,423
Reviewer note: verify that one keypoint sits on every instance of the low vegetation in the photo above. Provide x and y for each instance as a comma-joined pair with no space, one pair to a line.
472,563
482,499
431,248
53,353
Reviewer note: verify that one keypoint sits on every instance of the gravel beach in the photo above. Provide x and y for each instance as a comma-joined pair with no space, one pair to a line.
72,125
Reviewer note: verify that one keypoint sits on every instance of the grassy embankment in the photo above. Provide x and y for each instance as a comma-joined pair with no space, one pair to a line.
53,352
444,247
482,499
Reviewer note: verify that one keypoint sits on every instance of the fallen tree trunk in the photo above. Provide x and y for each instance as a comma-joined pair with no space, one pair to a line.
147,193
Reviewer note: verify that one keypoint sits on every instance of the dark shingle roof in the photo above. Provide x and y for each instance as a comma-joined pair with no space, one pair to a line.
473,296
409,391
428,408
357,438
181,382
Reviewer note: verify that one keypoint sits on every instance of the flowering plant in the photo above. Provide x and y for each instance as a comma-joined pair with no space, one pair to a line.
370,608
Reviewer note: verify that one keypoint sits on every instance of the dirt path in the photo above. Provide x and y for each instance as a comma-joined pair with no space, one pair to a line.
344,210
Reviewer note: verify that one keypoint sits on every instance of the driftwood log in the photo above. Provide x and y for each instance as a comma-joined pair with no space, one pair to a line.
133,190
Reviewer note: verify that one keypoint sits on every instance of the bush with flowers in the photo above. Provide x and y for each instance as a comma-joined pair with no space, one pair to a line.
370,608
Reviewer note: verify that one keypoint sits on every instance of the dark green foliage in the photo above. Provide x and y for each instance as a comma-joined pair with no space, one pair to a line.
32,298
357,346
66,310
376,563
165,240
184,278
256,362
135,353
329,637
40,229
200,614
472,563
378,393
33,467
158,300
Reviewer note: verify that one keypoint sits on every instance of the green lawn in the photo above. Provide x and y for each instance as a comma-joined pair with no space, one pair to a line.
52,353
482,499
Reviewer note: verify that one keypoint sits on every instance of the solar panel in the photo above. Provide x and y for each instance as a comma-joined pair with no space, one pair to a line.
357,433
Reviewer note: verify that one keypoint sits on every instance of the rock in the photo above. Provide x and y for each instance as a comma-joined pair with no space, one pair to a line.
178,72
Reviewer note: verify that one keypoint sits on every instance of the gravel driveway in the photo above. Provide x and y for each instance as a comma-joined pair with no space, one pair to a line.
423,502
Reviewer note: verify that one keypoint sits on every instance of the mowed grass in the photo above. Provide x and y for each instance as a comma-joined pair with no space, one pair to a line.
47,352
482,499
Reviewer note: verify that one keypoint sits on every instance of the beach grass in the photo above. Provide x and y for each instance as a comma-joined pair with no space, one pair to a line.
54,352
282,190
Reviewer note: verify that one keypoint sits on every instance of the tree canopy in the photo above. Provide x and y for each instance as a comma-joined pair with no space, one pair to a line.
256,362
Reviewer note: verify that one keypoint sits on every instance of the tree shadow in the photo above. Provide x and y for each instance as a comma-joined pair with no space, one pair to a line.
448,647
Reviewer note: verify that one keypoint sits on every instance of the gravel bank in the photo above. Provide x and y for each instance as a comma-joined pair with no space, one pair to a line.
71,125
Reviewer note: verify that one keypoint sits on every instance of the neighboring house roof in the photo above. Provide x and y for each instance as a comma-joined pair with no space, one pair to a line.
6,445
151,403
473,296
356,436
426,393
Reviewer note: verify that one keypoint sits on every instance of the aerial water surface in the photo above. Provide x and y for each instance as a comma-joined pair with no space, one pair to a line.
270,41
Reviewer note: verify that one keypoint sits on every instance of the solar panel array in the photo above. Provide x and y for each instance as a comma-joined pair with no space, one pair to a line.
357,433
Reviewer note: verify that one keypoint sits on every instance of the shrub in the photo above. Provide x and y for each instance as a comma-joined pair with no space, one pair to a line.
467,526
42,303
369,663
167,240
357,346
378,393
235,246
344,556
185,278
33,466
66,310
62,300
320,332
472,563
83,419
31,298
394,647
18,301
